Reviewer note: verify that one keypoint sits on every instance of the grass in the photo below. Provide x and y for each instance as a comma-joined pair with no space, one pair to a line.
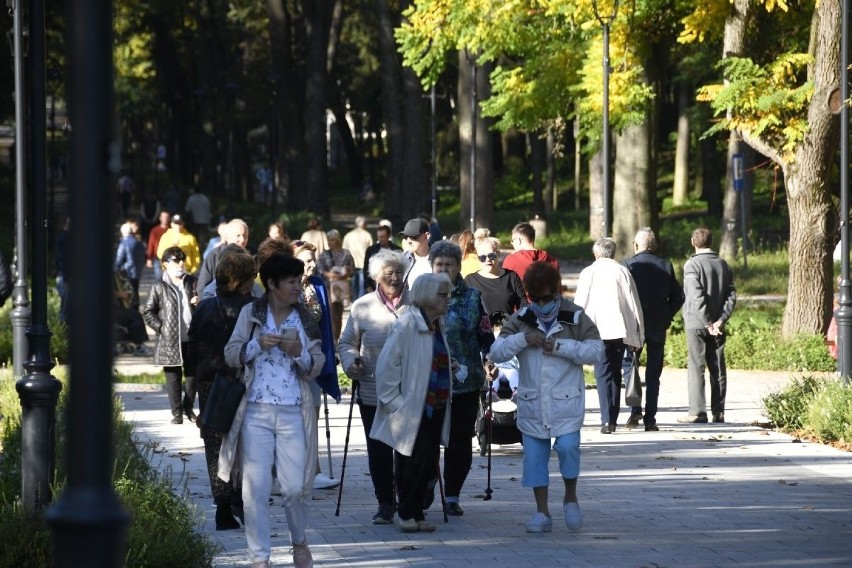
165,528
820,409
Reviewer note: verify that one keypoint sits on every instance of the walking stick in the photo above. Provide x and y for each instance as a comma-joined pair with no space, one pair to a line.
441,487
346,448
488,490
327,434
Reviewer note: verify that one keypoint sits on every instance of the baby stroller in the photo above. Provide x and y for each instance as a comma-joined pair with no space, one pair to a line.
498,417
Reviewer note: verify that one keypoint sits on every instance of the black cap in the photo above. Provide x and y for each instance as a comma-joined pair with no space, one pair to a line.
414,228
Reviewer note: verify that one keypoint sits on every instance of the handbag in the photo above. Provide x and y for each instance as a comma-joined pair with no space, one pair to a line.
222,402
226,393
633,386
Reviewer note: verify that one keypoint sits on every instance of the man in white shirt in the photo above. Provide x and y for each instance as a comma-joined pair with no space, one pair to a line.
415,243
357,241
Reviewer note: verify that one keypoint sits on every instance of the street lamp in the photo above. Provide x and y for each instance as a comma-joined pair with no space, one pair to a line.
605,19
20,314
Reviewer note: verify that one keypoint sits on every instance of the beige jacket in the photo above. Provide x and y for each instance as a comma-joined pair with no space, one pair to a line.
607,293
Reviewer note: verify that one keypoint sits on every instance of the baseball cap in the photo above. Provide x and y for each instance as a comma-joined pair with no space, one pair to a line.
176,218
414,228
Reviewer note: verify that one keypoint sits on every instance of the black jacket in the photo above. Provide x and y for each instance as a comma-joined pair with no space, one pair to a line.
6,281
660,293
162,314
211,328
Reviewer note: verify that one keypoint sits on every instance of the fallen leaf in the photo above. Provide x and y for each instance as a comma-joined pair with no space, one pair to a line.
410,547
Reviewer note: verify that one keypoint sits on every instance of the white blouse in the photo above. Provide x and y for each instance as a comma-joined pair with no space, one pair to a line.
276,374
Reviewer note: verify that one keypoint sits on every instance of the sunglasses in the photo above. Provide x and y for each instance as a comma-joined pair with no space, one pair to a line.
175,259
489,256
297,244
539,299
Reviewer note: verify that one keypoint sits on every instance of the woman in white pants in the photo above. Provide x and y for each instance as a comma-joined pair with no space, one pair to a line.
279,347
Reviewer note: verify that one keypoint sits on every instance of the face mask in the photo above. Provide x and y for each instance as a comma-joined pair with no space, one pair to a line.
179,273
545,312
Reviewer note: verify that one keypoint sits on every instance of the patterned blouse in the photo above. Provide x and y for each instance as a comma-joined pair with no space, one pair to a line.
469,335
276,374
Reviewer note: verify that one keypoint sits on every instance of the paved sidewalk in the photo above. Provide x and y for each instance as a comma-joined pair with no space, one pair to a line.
709,495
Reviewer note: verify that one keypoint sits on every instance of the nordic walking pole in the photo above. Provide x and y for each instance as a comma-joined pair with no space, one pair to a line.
490,420
327,434
346,447
441,487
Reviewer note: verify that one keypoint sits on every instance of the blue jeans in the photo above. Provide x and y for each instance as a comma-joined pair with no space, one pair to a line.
537,456
357,283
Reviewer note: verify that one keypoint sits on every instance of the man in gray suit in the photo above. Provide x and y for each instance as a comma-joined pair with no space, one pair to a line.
708,284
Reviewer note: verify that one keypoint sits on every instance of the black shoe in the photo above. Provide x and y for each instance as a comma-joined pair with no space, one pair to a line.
634,420
225,520
606,429
190,415
178,419
718,417
384,516
429,495
237,510
651,428
454,509
697,419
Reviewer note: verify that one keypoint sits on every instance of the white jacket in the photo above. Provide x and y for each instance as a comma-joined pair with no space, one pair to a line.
402,379
551,394
607,292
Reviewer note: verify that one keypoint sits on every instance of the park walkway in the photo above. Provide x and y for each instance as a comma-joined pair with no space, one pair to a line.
712,495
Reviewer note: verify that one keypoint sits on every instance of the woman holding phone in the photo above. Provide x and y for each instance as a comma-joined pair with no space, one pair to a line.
278,345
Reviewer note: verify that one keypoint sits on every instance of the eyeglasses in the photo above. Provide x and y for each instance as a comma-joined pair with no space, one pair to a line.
443,294
489,256
297,244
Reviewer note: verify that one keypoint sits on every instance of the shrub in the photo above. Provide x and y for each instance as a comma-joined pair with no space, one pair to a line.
829,414
788,408
164,528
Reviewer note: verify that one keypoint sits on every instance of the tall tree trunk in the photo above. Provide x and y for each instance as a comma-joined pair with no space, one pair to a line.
631,196
550,203
484,196
680,191
733,43
291,140
537,156
733,212
391,111
578,166
416,187
317,26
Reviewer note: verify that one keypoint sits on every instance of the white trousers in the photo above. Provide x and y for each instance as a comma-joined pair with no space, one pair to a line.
272,433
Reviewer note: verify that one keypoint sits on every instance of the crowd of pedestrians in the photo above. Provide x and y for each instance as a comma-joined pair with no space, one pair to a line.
432,325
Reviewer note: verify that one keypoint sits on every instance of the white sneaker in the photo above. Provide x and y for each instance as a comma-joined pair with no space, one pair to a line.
322,481
573,516
539,524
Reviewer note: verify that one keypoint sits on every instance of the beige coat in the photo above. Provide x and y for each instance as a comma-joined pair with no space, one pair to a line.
402,379
248,326
607,293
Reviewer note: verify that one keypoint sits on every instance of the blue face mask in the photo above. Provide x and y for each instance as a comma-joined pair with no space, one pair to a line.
546,312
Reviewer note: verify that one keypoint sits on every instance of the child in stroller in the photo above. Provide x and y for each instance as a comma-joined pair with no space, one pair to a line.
498,412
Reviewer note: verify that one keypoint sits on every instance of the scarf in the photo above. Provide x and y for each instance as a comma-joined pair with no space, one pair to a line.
439,376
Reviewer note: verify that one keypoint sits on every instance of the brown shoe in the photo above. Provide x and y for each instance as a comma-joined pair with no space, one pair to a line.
697,419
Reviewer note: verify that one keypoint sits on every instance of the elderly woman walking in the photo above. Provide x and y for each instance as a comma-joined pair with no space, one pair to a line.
278,345
469,332
370,320
552,339
414,388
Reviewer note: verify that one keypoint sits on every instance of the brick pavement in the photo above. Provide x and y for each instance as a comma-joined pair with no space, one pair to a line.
716,495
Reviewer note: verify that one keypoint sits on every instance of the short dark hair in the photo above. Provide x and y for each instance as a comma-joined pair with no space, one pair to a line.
233,270
385,228
270,246
702,237
526,230
280,266
542,279
173,253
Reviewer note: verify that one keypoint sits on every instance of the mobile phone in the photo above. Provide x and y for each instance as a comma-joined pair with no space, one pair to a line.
290,333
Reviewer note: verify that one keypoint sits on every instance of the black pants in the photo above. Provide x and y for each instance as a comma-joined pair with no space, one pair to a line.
608,379
416,470
224,492
653,371
174,388
379,458
458,456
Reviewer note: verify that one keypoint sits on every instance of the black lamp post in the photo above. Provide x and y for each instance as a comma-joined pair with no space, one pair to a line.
605,20
88,521
38,389
20,314
844,311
